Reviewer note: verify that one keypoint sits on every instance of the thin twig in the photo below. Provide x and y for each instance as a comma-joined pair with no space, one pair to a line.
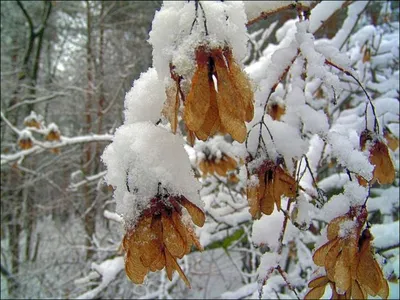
376,125
381,250
284,225
264,15
283,274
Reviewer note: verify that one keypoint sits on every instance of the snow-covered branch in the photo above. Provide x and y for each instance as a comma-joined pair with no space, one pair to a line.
39,147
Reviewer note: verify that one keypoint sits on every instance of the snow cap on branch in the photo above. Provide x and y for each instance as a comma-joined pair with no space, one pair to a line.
145,100
180,27
142,155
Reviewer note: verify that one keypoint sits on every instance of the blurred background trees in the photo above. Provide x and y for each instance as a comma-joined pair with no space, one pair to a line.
71,63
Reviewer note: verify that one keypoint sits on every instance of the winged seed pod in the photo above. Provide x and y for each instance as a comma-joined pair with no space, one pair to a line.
211,165
220,98
384,171
351,269
272,182
172,103
53,135
276,111
392,140
160,237
33,120
25,140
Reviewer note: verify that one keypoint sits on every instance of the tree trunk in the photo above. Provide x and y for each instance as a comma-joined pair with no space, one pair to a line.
14,226
89,210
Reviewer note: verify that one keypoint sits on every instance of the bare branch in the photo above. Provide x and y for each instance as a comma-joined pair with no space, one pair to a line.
35,101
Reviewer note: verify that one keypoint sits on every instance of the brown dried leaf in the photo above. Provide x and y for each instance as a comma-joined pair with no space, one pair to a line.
147,239
232,110
342,274
133,266
25,144
319,281
212,121
203,167
172,265
197,102
181,228
334,226
53,136
267,203
232,178
242,84
190,137
319,255
331,258
220,168
350,252
171,106
196,213
173,241
362,181
158,263
384,170
234,126
32,123
169,265
365,136
369,274
367,55
211,167
384,291
315,293
276,111
265,192
357,292
392,141
231,163
254,201
283,184
194,239
133,238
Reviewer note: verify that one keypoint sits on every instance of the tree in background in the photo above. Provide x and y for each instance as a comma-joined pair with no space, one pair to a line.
39,184
295,156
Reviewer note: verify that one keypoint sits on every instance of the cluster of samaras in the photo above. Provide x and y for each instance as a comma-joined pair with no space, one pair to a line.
273,182
160,237
220,99
351,270
53,134
221,166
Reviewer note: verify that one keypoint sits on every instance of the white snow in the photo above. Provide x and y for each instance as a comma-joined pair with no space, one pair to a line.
145,100
142,155
174,40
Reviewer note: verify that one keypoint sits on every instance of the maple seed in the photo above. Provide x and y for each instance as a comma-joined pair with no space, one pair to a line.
53,135
25,140
392,141
25,143
212,165
220,98
32,123
347,257
171,106
160,237
384,171
273,182
276,111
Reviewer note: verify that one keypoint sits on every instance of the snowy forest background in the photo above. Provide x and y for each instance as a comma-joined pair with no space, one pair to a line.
65,70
